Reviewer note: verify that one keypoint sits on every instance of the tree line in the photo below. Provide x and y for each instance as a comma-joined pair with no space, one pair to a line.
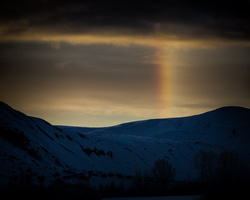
222,176
219,176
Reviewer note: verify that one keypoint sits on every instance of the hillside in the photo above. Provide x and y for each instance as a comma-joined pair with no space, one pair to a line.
33,150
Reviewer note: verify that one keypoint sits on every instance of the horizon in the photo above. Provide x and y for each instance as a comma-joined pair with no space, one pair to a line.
97,64
146,119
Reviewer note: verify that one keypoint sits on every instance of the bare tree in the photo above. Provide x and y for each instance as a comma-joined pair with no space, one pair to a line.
224,176
163,171
205,162
231,167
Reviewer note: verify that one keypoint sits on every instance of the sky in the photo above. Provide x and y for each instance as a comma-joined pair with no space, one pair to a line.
101,63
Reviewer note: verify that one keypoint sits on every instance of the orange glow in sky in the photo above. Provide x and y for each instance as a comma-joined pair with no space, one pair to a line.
93,64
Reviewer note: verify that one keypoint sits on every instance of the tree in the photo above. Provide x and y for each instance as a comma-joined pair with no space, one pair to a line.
224,176
231,167
205,162
163,171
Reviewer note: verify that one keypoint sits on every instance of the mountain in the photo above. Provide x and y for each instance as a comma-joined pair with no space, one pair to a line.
32,150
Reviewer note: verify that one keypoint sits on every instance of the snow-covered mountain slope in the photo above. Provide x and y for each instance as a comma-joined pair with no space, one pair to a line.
33,148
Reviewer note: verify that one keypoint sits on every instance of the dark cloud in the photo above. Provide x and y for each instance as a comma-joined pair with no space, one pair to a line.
225,18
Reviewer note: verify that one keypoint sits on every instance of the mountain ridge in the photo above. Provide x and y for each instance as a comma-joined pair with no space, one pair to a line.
101,155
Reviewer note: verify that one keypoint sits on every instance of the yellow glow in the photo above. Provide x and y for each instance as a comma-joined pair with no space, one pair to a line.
163,81
163,60
155,39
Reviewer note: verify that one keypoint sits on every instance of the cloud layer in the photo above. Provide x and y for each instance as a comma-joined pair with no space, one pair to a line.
183,19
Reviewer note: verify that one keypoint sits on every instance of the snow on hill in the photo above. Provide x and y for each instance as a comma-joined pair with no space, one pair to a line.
34,150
